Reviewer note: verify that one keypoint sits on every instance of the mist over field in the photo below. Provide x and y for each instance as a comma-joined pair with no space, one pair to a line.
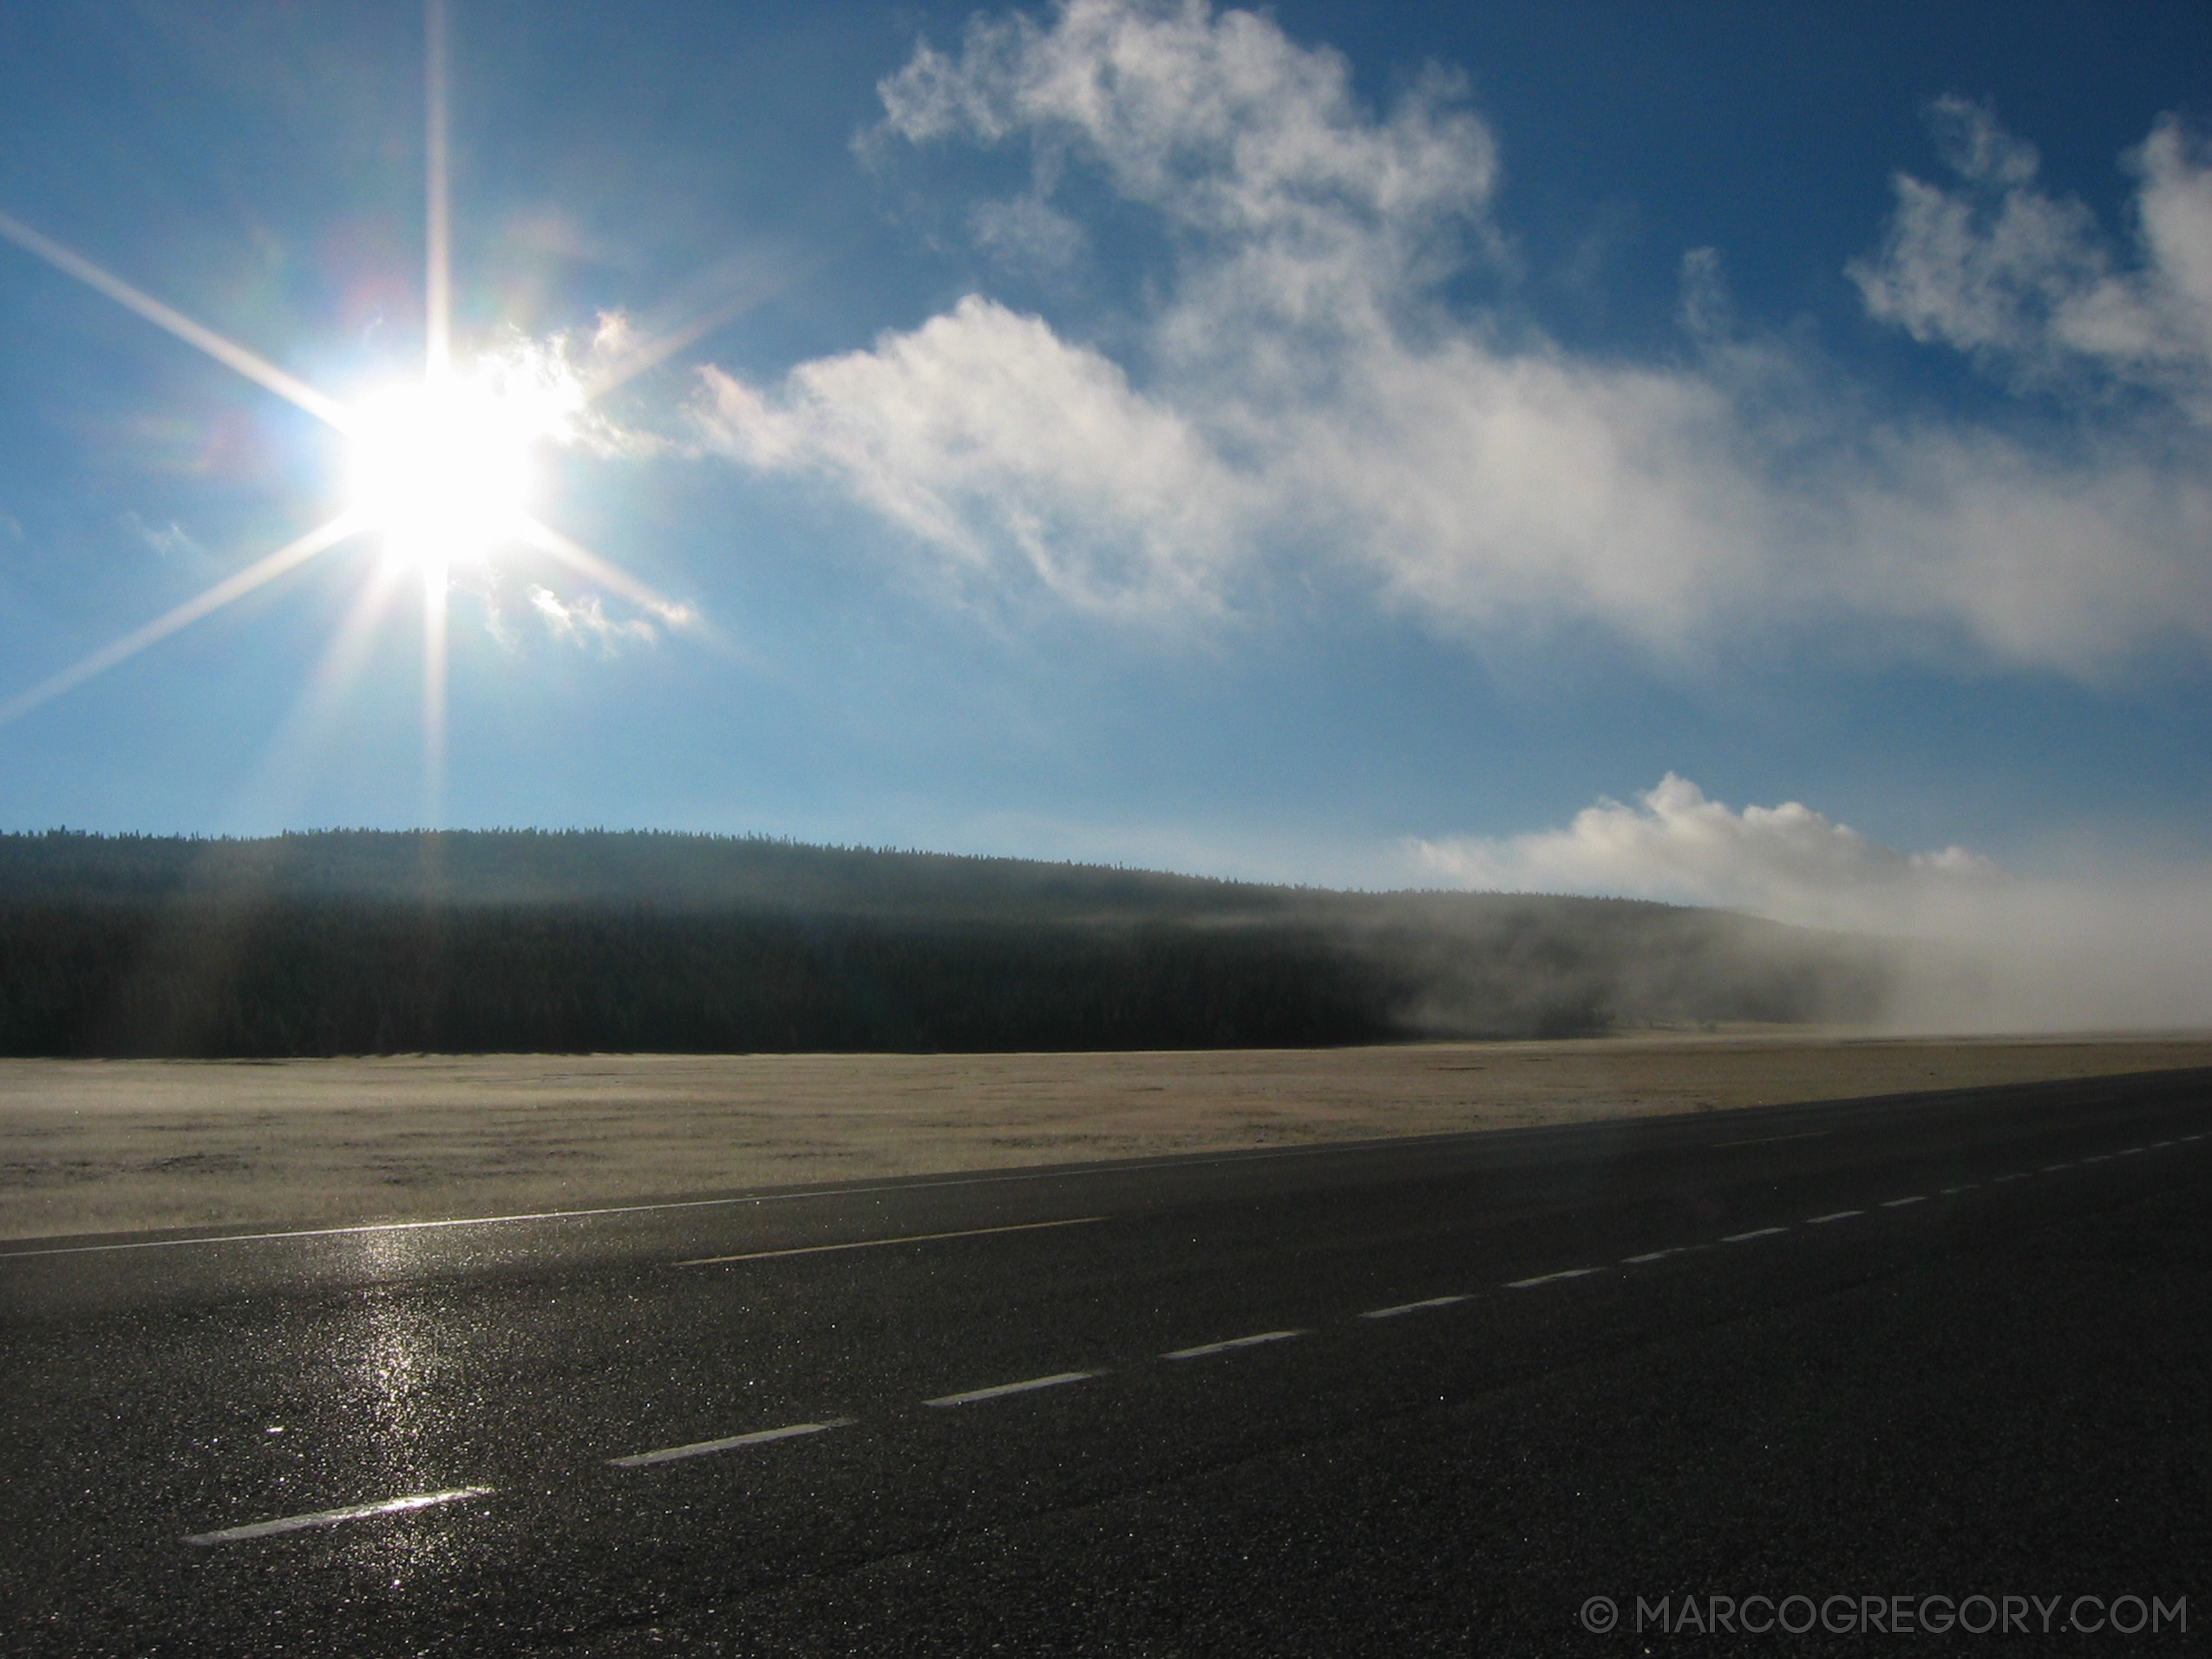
361,942
2098,943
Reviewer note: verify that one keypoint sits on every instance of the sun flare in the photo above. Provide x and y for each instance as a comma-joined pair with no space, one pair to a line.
442,470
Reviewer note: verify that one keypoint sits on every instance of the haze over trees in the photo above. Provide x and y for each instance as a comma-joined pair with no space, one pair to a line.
361,941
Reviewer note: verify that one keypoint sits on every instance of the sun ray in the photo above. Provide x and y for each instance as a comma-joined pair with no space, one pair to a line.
437,293
760,287
434,597
438,468
230,587
227,352
579,557
281,778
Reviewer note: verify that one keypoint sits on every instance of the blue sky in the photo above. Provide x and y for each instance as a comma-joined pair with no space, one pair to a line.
1330,443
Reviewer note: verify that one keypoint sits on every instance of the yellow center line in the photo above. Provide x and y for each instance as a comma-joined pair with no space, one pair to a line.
1763,1141
870,1243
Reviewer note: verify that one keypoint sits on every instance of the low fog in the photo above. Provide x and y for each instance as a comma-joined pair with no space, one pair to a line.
1971,946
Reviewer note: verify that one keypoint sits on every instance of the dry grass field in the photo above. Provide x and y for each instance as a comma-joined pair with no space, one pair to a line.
115,1146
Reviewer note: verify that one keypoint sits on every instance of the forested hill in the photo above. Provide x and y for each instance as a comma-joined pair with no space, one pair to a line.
663,869
347,942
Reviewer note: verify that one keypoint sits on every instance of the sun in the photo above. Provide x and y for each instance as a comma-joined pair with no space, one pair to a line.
442,470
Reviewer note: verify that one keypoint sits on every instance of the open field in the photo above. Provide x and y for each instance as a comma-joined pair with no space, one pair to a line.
113,1145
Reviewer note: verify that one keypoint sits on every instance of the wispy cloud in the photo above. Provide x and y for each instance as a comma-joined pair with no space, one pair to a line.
584,621
541,373
168,540
2026,281
1027,235
1297,393
1013,454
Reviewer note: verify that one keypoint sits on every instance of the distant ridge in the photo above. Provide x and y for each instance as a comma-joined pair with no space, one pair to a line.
361,941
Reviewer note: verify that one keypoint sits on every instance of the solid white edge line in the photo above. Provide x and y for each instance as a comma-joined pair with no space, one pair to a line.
1249,1155
1547,1278
1833,1215
1650,1256
1963,1187
2017,1175
970,1396
1899,1204
1758,1232
2099,1158
1204,1348
993,1178
1412,1307
701,1448
2129,1152
2053,1169
869,1244
333,1516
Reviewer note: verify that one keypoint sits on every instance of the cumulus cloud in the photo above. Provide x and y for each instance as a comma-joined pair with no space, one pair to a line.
1788,862
2027,282
1295,391
1978,948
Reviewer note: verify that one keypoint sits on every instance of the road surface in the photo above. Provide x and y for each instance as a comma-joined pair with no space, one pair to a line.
1870,1366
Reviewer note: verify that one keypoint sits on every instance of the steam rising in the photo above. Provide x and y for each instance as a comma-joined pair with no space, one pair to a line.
1976,947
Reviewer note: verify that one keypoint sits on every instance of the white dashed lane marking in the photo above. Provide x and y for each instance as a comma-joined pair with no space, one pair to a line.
1412,1306
701,1448
972,1395
1550,1278
431,1500
333,1517
1204,1348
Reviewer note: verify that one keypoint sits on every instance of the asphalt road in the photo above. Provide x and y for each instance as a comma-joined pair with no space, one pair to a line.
1869,1366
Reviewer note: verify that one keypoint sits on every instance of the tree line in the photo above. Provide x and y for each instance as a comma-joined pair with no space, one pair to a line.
369,942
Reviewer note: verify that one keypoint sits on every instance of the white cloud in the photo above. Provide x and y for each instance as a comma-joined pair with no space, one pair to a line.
2124,946
1788,862
2025,280
166,541
540,376
584,622
1295,390
1008,450
1026,235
